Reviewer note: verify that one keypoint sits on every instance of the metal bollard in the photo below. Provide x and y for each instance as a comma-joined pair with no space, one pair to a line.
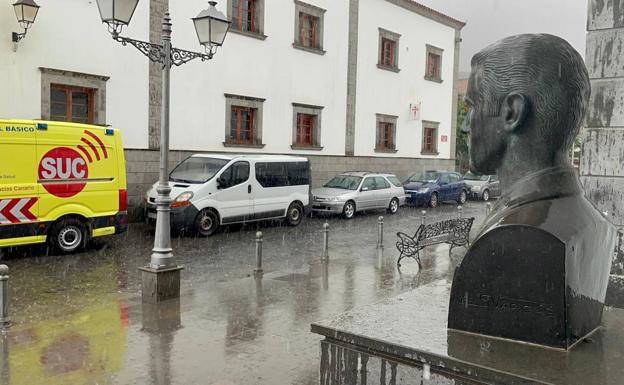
4,296
424,216
325,276
258,270
459,211
325,256
5,367
488,208
380,226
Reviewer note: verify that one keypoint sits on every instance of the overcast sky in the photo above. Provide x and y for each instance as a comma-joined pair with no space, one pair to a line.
491,20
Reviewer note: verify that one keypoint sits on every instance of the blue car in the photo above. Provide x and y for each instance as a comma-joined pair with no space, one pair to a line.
429,188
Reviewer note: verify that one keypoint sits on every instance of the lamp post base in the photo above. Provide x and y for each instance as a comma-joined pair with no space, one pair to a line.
160,284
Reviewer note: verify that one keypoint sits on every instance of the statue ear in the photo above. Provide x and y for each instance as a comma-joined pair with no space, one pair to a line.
514,111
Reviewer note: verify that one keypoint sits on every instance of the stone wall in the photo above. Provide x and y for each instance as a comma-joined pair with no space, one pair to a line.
602,153
142,168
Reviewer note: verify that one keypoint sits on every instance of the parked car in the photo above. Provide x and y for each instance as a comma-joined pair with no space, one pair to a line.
213,190
483,186
429,188
351,192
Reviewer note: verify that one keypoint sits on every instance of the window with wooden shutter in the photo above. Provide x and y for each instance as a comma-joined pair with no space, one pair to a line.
385,136
243,121
308,34
433,65
430,138
388,55
245,15
71,104
242,125
306,125
387,52
308,30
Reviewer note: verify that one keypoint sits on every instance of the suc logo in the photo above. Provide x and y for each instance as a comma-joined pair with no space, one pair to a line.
63,172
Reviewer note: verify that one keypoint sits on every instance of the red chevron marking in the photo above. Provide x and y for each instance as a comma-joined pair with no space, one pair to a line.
26,209
6,212
17,210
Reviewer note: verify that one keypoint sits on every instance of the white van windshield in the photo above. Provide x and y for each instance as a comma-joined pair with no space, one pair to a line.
197,170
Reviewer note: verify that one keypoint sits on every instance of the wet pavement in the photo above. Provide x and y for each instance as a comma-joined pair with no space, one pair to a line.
79,319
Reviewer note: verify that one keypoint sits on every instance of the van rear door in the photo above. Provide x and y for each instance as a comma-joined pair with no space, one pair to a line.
19,204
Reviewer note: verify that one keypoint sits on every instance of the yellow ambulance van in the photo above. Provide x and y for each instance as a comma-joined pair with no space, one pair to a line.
61,183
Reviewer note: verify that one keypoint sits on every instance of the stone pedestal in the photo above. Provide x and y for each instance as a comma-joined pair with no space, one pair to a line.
523,283
405,340
160,284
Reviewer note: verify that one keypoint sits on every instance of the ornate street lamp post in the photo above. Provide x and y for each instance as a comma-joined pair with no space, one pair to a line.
26,13
161,279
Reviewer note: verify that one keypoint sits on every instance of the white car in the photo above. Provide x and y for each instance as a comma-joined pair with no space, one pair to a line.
208,191
355,191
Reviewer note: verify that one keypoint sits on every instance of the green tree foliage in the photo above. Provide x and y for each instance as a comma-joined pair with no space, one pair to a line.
461,150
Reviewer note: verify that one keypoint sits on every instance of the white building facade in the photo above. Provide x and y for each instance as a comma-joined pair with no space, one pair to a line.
352,84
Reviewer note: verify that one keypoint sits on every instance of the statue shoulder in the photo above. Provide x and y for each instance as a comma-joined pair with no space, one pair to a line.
514,236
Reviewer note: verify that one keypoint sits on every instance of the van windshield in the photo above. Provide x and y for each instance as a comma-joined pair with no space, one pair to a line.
197,170
344,182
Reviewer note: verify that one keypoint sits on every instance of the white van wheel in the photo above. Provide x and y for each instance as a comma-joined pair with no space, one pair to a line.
206,223
294,214
68,235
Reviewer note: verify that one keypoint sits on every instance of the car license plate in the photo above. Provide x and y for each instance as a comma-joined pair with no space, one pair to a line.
151,215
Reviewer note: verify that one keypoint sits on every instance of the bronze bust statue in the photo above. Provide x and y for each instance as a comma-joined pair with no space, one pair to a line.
538,269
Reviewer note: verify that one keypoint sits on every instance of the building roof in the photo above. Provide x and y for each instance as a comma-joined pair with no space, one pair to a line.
430,13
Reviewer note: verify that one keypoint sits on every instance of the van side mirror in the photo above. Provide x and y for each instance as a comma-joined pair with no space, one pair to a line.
220,183
364,189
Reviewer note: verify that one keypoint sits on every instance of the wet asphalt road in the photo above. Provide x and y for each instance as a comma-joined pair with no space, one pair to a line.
79,319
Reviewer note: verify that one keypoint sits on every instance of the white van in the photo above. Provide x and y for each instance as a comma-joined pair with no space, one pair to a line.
213,190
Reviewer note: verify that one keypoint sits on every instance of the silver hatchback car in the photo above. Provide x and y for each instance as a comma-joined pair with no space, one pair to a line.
355,191
483,187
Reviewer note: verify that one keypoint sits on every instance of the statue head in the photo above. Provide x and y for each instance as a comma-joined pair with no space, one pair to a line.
527,95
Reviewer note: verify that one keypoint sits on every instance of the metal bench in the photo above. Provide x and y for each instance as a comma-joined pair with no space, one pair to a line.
452,231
